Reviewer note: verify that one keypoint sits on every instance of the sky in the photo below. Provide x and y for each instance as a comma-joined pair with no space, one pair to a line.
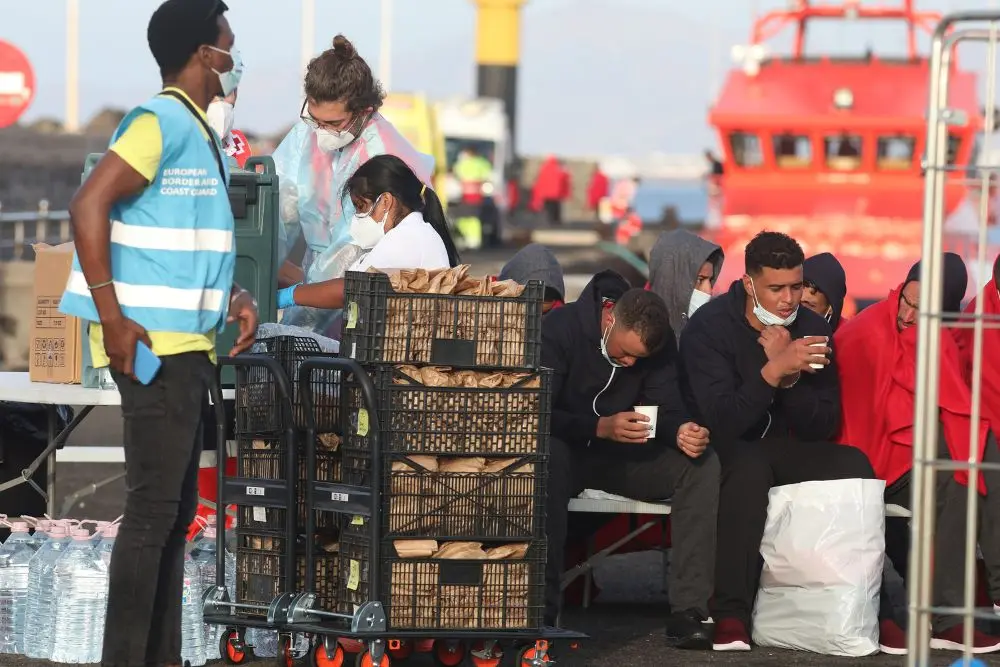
585,64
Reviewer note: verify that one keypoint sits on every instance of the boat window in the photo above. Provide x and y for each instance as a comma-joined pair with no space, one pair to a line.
843,152
792,151
895,153
954,145
746,149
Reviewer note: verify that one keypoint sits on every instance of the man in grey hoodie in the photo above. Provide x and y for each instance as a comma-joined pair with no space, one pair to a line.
536,262
683,268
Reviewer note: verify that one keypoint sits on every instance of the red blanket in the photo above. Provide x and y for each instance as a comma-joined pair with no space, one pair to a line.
991,352
877,365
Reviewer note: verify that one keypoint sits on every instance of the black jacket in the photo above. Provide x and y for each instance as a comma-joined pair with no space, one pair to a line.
721,362
585,384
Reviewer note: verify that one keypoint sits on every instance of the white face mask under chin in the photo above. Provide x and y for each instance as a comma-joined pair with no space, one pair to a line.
604,347
698,299
766,317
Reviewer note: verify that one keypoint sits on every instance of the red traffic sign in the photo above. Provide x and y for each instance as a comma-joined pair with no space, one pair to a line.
17,83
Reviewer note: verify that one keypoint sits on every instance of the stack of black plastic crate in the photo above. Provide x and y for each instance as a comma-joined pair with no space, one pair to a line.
266,542
494,432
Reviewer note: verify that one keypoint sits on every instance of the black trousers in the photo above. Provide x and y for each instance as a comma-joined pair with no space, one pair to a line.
162,441
652,474
553,211
749,470
951,499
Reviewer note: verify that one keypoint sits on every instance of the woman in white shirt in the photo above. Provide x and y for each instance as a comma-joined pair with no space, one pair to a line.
399,222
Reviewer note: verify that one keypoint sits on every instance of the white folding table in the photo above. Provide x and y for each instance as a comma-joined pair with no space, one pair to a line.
18,388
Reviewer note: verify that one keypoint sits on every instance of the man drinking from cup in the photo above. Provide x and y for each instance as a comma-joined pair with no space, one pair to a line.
613,358
759,371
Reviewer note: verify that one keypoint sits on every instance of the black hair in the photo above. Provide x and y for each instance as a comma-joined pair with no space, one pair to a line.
339,74
387,173
646,314
996,270
178,28
772,250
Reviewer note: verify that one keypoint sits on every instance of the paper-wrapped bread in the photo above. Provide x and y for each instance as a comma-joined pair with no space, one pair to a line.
461,551
415,548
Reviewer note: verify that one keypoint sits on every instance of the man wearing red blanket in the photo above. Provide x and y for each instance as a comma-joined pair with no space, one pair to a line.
877,355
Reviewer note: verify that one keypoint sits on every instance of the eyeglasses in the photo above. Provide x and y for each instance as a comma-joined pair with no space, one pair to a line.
307,118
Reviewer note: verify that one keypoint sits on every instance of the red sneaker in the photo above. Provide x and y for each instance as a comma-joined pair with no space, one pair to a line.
730,635
891,638
951,640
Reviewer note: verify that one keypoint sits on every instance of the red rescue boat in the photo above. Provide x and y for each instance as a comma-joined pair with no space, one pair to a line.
828,149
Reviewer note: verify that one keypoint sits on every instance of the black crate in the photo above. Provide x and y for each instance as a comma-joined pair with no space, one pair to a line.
265,458
260,569
446,594
507,503
382,326
449,421
355,563
258,408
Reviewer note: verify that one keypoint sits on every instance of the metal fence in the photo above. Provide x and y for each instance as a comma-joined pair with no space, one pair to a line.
20,229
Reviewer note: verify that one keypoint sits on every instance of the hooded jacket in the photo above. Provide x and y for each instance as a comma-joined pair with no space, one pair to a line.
721,362
825,273
674,262
535,262
879,377
585,386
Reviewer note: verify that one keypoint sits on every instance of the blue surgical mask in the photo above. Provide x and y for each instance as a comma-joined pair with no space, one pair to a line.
766,317
604,347
230,80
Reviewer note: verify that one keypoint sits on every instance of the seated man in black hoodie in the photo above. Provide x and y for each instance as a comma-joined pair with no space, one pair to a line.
825,287
772,402
610,351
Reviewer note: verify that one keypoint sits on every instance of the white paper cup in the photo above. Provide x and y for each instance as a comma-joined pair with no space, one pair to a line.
651,412
817,366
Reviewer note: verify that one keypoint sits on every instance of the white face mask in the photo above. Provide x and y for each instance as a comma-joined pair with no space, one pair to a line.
365,231
604,347
330,141
698,299
766,317
220,117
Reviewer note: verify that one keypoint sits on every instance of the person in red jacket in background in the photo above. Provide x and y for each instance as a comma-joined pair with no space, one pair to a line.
598,188
552,188
221,116
877,358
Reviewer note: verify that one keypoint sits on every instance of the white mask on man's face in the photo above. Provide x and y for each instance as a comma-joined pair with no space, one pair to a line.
220,117
766,317
698,299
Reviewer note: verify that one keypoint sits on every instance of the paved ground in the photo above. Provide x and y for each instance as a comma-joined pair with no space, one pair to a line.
624,623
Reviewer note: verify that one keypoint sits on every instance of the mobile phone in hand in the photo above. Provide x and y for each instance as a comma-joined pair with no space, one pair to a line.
146,364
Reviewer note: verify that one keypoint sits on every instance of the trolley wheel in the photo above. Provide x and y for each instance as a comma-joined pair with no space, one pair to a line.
536,655
480,658
286,654
449,653
364,659
321,659
400,649
233,651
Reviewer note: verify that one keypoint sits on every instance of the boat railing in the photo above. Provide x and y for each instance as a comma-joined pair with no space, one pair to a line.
19,230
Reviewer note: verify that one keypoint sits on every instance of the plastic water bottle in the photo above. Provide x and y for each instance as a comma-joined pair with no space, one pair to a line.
38,633
80,580
15,557
264,642
231,574
204,556
41,534
19,535
201,540
192,621
107,544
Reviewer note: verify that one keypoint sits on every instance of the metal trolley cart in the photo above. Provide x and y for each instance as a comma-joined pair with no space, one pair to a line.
369,623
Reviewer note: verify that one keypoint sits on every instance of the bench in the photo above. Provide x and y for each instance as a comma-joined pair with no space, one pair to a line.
598,502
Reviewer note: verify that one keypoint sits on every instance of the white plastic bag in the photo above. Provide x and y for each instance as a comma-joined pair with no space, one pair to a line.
823,547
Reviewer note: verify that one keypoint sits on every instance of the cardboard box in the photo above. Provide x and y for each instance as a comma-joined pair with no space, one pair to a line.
56,339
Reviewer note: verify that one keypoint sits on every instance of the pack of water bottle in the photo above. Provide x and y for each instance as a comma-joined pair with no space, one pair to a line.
55,573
